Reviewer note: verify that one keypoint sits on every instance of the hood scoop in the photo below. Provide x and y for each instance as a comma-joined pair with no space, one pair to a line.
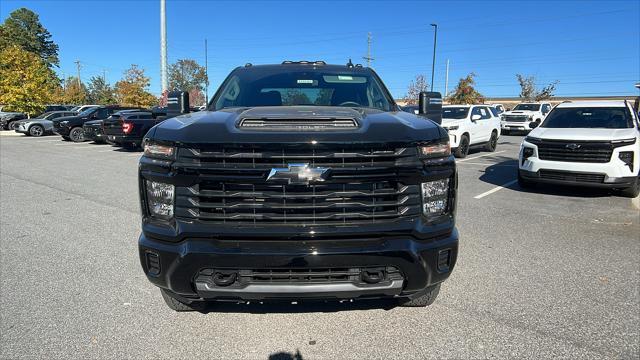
285,124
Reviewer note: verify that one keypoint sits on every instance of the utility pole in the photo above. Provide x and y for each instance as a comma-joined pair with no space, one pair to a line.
77,62
163,45
206,73
446,81
64,81
104,76
368,57
433,62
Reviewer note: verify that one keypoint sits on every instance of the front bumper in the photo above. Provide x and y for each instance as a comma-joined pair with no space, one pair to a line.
185,268
572,178
515,126
93,134
61,130
123,139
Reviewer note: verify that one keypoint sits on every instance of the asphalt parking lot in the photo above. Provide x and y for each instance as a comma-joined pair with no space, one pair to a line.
545,273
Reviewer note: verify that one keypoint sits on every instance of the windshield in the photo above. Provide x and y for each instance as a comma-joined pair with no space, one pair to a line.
596,117
87,112
283,87
455,112
528,107
43,115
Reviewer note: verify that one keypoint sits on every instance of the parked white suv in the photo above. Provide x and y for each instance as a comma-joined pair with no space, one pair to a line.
523,115
469,126
588,143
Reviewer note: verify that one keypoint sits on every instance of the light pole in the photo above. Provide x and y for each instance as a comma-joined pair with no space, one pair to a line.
433,63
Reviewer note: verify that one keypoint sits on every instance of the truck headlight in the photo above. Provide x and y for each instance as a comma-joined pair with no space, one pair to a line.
154,150
160,197
435,150
452,128
435,197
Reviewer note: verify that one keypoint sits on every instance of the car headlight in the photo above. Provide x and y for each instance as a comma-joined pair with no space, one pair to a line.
435,197
435,150
452,128
159,151
531,139
64,122
160,198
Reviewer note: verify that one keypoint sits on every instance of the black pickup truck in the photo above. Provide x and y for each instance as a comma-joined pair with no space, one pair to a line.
300,181
128,129
70,127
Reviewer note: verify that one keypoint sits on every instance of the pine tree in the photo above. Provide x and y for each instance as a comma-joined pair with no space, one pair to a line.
23,28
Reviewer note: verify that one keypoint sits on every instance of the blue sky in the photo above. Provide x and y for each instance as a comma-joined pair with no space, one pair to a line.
592,48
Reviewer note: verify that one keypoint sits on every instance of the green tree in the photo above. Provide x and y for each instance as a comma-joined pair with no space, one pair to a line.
187,75
23,28
465,93
27,84
75,92
132,90
529,92
100,92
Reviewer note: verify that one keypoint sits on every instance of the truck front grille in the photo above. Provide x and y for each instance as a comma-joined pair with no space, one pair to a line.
232,187
572,176
574,151
516,118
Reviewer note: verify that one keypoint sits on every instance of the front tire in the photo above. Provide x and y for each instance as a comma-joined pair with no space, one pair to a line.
36,130
12,125
493,142
76,134
426,299
177,305
463,147
633,190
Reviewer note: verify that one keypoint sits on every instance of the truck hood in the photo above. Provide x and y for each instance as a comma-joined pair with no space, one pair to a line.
583,134
222,126
519,112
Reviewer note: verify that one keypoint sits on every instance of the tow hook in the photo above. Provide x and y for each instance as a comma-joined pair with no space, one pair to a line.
221,279
372,276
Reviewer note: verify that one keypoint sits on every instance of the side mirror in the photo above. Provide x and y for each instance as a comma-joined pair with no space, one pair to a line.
475,117
177,103
534,124
430,106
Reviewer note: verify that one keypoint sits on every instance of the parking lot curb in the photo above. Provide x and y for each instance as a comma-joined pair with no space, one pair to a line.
636,202
9,133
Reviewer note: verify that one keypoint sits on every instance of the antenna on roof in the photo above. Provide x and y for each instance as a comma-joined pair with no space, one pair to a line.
349,64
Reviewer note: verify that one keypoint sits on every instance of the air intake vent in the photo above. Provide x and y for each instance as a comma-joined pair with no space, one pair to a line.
444,257
297,124
153,264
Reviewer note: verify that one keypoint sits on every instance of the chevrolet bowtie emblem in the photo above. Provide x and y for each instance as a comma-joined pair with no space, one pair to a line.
298,174
573,146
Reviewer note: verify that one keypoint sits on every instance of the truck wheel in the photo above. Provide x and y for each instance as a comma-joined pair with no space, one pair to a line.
493,142
178,305
76,134
36,130
426,299
463,147
633,190
12,125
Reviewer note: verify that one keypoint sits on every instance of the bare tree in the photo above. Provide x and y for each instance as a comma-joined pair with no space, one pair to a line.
528,91
416,86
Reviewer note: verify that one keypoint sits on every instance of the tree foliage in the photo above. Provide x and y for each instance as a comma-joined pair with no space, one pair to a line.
100,92
416,86
529,92
23,28
27,84
132,90
75,92
465,93
187,75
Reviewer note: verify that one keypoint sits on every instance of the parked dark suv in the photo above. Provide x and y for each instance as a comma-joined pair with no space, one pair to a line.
300,181
70,128
128,129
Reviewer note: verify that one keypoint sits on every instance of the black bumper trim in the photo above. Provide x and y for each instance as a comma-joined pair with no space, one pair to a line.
617,183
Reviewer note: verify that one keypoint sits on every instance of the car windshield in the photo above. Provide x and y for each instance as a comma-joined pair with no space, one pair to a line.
315,87
455,112
585,117
44,115
528,107
87,112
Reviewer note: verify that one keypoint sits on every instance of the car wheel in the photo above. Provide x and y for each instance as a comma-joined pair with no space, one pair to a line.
493,142
76,134
12,125
36,130
633,190
463,147
177,305
426,299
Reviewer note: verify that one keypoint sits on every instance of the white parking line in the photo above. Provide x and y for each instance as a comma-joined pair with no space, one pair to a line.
107,150
48,140
479,156
63,144
497,188
491,164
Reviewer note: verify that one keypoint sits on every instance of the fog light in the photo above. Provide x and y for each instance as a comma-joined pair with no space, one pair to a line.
527,152
435,197
160,199
627,158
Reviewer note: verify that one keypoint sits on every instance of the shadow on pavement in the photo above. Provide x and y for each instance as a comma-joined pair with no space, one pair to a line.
286,356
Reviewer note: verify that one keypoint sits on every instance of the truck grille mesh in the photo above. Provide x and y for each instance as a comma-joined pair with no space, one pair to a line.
574,151
363,186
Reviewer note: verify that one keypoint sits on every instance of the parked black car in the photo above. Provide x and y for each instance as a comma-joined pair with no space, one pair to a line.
92,131
9,121
301,181
70,128
128,129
